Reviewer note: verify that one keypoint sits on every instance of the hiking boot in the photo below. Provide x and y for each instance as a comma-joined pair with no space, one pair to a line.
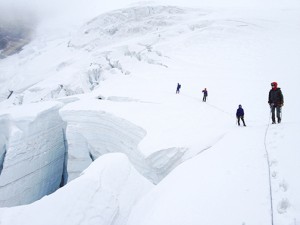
273,122
279,120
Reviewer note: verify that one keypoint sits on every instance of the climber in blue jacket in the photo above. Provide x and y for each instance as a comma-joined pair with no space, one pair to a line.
240,115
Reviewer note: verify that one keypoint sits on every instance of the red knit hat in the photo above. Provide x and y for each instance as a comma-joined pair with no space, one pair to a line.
274,85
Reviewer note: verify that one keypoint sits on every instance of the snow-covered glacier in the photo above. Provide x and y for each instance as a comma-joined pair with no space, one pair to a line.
121,69
32,152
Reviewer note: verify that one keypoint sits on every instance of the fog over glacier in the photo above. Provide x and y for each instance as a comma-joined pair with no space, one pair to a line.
93,132
83,9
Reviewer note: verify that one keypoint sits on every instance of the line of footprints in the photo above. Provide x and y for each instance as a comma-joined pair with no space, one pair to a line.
278,183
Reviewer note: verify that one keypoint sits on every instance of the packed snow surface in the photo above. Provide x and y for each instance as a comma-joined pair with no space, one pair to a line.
101,103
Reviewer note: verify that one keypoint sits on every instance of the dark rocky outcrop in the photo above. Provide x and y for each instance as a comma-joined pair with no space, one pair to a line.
15,33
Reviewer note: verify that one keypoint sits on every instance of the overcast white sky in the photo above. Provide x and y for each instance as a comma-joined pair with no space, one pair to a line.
76,11
57,6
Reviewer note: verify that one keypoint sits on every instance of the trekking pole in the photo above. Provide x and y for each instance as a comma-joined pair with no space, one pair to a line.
270,114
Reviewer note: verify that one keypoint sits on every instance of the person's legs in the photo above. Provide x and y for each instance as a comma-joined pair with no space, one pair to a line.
243,121
273,114
278,114
239,120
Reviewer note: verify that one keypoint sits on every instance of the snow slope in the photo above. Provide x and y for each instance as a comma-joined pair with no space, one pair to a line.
205,168
229,184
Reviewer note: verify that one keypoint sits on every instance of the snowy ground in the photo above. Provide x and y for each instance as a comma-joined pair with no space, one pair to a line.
116,79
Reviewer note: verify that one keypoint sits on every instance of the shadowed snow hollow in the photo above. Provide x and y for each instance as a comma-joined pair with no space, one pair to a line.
91,134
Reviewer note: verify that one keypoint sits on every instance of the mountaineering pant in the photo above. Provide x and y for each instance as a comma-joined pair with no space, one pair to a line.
242,118
204,98
278,113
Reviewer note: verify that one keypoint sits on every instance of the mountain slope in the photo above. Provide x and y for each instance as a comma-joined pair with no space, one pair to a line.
205,168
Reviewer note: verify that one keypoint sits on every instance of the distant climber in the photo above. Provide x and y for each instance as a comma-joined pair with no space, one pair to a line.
204,95
240,115
178,88
10,93
276,102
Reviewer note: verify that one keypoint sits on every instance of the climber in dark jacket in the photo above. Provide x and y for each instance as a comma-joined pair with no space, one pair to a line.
178,88
240,115
204,95
275,101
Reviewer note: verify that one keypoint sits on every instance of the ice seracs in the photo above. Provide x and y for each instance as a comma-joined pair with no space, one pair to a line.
32,153
104,194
